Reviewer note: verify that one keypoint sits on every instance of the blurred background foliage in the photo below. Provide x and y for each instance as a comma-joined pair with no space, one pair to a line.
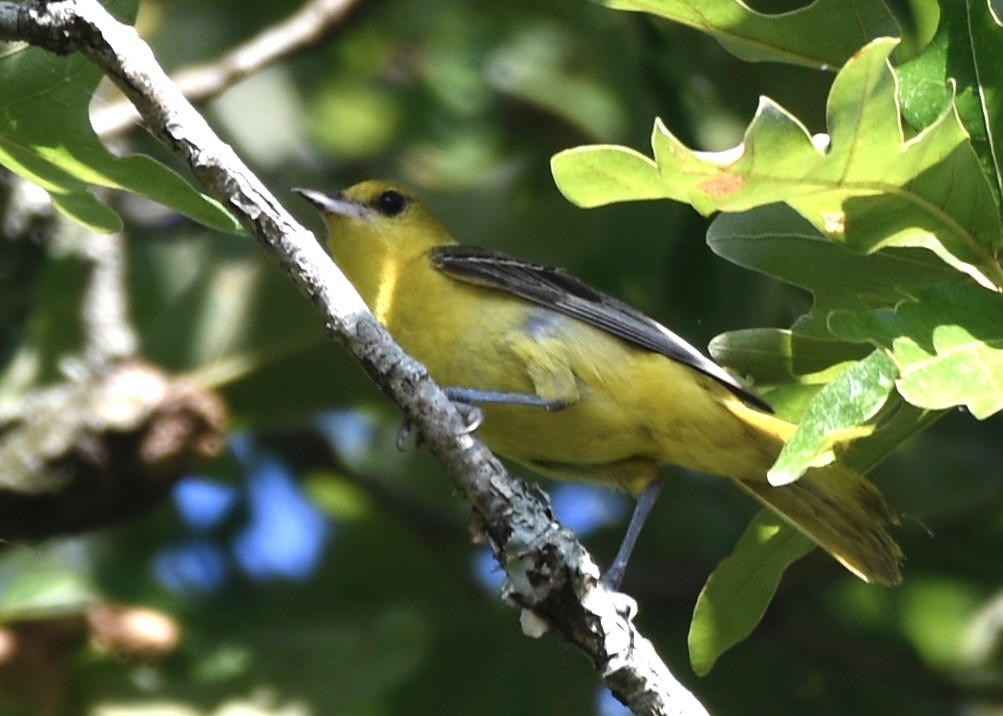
314,569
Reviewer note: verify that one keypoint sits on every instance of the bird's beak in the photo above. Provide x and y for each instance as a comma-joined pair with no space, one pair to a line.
336,204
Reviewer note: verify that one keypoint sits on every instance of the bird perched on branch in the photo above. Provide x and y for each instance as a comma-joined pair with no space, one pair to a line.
578,385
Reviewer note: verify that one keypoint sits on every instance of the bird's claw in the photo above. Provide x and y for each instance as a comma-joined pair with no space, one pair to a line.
471,415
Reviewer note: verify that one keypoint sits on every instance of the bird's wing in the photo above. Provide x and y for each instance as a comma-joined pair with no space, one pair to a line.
559,291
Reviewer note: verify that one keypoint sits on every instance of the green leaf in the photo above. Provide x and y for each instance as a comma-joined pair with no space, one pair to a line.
947,345
737,593
987,102
838,414
774,240
963,56
791,37
46,137
868,187
774,355
606,174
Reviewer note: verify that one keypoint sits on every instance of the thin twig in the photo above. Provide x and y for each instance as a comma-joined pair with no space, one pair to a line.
548,571
202,82
105,309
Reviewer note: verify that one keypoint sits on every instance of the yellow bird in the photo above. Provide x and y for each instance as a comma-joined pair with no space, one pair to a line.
578,385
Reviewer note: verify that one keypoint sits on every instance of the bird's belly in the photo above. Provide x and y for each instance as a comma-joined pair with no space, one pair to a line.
579,442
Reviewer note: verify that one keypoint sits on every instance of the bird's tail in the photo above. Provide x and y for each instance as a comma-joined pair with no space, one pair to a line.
843,513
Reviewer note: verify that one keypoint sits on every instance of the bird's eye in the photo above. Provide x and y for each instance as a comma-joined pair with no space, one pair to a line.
391,203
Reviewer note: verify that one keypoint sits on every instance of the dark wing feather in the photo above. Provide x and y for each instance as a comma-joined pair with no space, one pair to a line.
559,291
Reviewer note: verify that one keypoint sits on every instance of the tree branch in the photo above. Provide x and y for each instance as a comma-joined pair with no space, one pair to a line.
205,81
548,571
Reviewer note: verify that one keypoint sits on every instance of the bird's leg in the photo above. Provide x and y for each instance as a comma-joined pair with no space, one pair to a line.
472,396
642,508
466,400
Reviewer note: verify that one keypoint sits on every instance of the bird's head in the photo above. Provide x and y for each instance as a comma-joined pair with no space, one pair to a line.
373,229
